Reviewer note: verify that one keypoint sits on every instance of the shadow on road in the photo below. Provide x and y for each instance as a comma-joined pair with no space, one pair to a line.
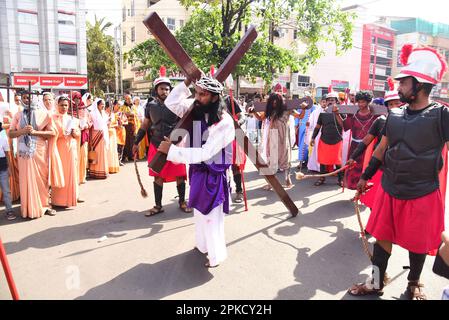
155,281
332,268
111,227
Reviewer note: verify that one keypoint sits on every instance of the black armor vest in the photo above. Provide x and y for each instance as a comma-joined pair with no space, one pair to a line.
163,121
413,159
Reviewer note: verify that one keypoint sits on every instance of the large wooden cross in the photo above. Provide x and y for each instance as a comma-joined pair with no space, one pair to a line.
291,104
376,109
172,47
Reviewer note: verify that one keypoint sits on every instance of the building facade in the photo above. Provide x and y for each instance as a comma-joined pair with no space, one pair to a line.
420,32
133,32
43,42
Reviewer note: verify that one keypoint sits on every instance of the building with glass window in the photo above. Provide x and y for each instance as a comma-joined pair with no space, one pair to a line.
43,42
422,33
133,32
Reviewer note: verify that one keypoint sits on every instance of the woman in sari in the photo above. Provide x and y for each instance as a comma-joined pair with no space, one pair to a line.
113,162
120,130
99,142
37,158
143,145
68,132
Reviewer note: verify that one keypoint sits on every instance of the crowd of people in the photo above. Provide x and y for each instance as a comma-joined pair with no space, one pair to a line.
51,145
61,141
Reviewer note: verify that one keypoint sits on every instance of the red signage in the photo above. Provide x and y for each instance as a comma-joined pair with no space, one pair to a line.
341,84
51,81
74,82
24,80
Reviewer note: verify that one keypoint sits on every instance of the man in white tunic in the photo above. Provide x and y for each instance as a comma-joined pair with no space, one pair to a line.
209,157
312,164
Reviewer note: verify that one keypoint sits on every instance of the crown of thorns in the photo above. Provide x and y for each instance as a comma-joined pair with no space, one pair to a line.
210,84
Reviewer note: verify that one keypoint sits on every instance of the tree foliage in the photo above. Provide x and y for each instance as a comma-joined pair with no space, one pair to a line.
216,26
100,57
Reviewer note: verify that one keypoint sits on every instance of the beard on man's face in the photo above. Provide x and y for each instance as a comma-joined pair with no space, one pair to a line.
405,99
201,107
162,97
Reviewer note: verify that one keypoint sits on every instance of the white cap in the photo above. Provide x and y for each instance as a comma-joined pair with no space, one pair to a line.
391,95
161,80
424,64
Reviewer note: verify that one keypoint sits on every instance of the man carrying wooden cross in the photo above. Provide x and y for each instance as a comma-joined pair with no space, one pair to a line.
209,161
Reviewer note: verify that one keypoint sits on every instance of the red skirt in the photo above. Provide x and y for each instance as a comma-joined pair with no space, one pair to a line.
370,196
415,225
329,154
170,171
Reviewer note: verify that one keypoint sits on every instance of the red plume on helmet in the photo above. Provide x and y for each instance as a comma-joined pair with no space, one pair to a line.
390,82
212,70
405,53
329,89
162,71
442,61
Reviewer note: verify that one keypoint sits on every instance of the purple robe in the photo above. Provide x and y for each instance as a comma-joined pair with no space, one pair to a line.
209,186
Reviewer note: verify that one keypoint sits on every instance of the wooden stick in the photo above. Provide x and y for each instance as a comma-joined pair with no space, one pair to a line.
362,229
143,192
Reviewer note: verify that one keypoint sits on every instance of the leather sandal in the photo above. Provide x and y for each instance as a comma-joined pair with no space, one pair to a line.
361,289
183,206
207,265
414,291
153,211
239,197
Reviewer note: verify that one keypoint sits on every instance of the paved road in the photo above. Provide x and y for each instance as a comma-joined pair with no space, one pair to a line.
107,249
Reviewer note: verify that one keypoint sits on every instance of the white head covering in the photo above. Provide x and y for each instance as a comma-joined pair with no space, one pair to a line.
100,121
41,101
84,98
136,98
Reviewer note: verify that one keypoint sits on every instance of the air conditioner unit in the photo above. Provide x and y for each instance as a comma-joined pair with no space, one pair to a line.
70,70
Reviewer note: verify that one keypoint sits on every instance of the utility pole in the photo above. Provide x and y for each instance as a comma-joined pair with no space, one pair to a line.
121,61
116,58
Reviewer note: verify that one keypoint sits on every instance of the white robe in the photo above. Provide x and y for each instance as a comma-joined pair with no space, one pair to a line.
313,164
209,229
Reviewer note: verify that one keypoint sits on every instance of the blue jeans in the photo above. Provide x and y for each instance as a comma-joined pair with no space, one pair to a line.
4,185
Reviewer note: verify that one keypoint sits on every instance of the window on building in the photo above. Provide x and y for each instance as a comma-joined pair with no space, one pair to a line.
171,24
133,9
124,39
133,34
27,18
129,12
181,23
385,43
67,49
295,34
31,49
303,80
66,19
124,14
29,54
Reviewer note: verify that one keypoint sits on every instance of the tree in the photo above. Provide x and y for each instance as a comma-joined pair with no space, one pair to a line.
100,57
216,26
